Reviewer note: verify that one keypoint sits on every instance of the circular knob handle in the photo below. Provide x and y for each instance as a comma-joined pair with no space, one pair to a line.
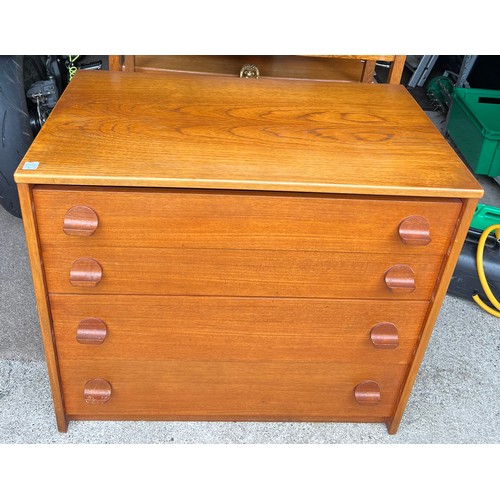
80,221
400,278
85,272
384,336
91,331
97,390
415,230
367,392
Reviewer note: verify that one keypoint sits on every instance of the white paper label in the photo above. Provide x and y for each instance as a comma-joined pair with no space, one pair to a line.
31,165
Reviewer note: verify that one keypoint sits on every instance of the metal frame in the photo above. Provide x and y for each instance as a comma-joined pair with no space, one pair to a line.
422,71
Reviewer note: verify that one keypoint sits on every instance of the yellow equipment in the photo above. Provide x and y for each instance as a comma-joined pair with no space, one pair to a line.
482,276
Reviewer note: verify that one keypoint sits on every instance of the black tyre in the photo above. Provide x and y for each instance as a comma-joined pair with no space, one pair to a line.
15,130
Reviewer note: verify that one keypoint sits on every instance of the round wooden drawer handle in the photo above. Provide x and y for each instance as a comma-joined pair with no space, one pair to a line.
384,336
400,278
97,390
85,272
415,230
91,331
367,392
80,221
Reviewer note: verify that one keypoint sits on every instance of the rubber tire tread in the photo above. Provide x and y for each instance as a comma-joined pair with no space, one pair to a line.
15,130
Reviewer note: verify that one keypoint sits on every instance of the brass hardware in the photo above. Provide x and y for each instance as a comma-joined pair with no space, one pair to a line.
249,71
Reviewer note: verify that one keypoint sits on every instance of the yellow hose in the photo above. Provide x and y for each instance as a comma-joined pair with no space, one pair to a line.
71,66
482,276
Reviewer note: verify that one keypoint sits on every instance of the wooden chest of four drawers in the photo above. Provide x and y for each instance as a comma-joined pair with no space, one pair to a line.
224,249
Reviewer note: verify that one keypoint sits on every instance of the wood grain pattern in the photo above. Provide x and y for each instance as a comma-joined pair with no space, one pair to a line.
367,393
245,220
85,271
365,57
80,220
288,67
197,132
385,335
271,390
343,68
115,63
232,329
415,230
368,72
128,63
248,280
438,296
400,278
263,273
396,70
90,331
41,294
233,417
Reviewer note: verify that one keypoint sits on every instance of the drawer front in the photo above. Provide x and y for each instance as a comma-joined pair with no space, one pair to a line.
231,220
241,390
262,273
229,329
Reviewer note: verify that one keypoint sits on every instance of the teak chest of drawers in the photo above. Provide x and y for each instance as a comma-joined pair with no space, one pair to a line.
209,248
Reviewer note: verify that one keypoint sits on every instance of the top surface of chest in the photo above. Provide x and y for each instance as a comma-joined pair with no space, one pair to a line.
189,131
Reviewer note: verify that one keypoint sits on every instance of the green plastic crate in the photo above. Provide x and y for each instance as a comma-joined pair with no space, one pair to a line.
474,126
485,216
